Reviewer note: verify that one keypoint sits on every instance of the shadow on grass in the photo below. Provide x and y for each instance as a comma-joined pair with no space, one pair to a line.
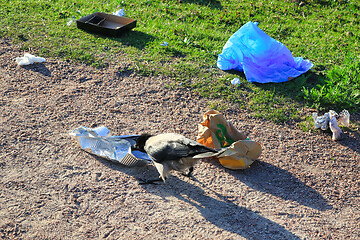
132,38
213,4
220,212
299,90
135,39
292,88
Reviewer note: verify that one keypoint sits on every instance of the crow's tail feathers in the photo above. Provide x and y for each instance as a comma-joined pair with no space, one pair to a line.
210,154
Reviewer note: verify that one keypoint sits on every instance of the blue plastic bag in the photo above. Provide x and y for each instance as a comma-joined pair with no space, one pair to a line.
262,58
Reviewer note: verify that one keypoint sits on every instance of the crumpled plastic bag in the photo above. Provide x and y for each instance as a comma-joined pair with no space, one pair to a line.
216,132
321,122
262,58
115,148
28,59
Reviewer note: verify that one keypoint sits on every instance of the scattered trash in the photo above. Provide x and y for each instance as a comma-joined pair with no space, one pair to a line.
262,58
120,13
106,24
29,59
237,151
321,121
333,120
164,44
216,132
71,21
187,41
114,148
334,127
236,81
344,118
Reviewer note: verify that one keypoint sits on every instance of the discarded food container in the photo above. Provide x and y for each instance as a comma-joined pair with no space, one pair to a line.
216,132
106,24
115,148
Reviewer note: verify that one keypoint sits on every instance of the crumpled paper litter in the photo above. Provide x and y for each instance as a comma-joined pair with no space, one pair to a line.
29,59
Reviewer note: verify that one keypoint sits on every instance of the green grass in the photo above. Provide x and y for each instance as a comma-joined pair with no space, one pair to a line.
340,87
325,32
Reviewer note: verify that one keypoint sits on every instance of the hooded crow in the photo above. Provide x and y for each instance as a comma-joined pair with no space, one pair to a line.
171,151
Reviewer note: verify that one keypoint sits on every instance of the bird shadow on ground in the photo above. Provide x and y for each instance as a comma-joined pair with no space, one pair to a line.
220,211
265,177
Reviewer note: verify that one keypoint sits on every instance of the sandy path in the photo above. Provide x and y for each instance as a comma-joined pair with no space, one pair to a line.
304,186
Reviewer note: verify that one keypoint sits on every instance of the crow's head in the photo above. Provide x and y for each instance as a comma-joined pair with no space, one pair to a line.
140,142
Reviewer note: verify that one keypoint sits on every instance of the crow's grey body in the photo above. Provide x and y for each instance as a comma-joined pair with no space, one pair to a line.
171,151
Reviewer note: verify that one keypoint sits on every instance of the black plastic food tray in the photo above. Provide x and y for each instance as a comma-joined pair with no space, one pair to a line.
106,24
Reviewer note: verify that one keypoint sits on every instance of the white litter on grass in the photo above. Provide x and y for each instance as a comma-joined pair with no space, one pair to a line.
187,41
164,44
120,13
236,81
333,120
321,122
29,59
70,21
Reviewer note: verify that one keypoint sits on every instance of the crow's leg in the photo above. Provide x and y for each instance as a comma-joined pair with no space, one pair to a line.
191,169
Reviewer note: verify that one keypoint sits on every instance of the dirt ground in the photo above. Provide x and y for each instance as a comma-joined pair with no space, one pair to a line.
303,186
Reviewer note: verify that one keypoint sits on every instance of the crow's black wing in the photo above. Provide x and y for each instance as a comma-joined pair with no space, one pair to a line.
169,150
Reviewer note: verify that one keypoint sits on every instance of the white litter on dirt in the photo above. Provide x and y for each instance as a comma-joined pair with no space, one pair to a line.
29,59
